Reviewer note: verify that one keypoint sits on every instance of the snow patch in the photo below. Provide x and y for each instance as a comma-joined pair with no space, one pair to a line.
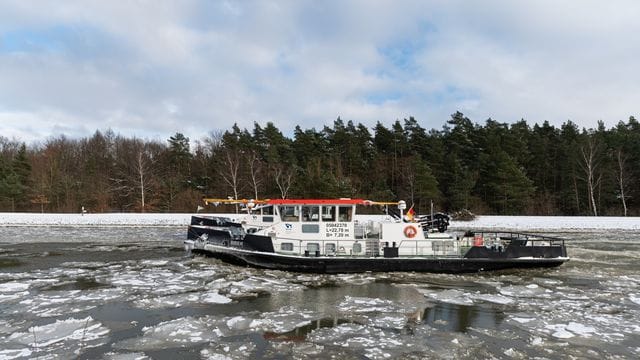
549,223
513,223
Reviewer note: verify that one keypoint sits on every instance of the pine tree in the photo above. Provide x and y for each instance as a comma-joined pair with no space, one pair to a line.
542,168
504,186
178,183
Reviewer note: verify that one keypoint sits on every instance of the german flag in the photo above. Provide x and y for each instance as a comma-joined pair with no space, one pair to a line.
411,214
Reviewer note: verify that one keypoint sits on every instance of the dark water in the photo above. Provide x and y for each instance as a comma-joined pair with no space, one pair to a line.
131,293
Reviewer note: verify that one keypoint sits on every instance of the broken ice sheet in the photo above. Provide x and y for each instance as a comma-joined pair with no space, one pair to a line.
373,342
451,296
179,300
174,333
526,291
284,320
395,321
233,350
63,336
57,303
125,356
353,304
250,287
13,286
152,281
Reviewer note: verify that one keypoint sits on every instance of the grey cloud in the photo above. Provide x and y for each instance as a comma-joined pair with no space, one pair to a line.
154,68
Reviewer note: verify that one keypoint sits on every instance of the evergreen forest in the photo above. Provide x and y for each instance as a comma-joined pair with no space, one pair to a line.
490,168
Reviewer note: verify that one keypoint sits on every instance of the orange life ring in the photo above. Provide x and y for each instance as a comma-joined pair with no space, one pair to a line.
410,231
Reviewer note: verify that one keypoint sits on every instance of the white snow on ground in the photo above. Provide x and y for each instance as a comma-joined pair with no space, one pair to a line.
549,223
112,219
514,223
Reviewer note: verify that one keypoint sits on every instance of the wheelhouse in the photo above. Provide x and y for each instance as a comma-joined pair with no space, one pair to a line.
314,227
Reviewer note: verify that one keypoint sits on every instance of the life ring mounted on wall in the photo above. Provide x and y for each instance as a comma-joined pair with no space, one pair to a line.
410,231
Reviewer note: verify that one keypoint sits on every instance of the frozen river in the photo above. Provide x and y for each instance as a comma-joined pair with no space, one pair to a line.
115,292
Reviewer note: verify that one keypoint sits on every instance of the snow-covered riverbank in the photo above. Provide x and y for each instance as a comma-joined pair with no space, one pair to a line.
111,219
514,223
551,223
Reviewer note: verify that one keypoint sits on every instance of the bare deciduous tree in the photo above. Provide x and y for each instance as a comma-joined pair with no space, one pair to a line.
623,181
135,178
283,175
141,168
255,170
230,171
590,164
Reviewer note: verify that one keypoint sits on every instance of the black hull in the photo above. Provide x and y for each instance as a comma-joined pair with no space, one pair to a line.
334,265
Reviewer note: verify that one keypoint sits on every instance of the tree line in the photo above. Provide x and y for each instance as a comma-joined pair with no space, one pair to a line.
490,168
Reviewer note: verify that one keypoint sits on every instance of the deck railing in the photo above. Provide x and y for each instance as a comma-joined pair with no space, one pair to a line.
517,238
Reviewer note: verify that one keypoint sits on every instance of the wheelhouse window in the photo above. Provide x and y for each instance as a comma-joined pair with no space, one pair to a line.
344,213
267,210
328,213
310,213
313,247
289,213
286,246
267,213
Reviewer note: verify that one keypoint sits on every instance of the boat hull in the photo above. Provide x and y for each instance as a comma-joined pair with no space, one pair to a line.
343,264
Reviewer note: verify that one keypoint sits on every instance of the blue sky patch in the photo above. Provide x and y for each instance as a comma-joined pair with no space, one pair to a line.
33,40
76,41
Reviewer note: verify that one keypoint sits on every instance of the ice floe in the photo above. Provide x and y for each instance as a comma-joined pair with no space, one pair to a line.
461,297
69,336
451,296
13,286
228,351
525,291
284,320
366,305
125,356
22,353
173,333
565,331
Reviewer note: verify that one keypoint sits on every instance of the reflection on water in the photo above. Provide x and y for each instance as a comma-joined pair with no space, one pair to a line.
451,317
81,283
300,333
132,292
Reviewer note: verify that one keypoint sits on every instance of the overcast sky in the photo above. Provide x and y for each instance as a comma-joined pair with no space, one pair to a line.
153,68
